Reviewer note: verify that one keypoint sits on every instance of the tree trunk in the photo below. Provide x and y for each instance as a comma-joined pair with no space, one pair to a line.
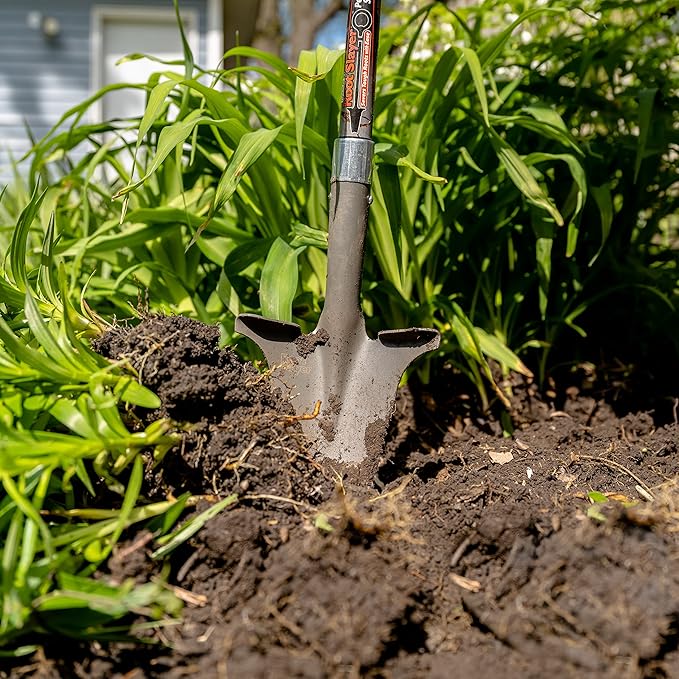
268,31
240,19
258,23
303,26
306,20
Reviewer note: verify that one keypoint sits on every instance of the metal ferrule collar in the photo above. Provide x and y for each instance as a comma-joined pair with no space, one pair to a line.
352,160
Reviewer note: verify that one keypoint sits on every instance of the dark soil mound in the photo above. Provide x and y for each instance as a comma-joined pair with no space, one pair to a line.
238,433
466,555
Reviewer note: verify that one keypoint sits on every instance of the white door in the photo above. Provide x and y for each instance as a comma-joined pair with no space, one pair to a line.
118,31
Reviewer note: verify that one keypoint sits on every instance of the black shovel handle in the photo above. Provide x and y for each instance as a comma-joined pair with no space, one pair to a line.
360,64
350,182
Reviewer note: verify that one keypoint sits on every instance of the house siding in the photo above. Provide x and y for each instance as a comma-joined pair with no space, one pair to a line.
40,79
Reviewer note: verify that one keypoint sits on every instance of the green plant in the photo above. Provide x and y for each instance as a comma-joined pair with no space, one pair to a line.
525,196
610,74
523,183
61,436
210,227
601,75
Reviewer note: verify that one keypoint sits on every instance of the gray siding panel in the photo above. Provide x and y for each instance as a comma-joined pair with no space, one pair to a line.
41,79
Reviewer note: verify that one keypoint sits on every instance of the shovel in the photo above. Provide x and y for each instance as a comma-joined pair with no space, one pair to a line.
341,383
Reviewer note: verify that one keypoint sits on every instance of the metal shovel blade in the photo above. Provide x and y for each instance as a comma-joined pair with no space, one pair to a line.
342,384
342,388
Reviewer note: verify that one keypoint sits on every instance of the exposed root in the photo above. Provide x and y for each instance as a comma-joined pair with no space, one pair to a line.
575,459
291,419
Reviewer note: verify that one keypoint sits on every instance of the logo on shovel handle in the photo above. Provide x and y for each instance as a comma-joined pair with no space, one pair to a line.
361,20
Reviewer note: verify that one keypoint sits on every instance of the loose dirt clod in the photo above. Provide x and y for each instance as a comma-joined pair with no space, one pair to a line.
439,563
306,344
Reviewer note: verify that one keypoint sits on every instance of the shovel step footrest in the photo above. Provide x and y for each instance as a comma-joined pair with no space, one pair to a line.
409,337
253,325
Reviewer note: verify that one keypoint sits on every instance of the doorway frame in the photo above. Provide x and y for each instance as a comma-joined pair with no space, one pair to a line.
101,12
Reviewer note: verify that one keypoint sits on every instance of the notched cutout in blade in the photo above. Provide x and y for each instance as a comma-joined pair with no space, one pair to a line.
410,338
268,329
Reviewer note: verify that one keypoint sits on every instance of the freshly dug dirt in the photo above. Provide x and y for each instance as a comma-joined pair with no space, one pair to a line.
466,554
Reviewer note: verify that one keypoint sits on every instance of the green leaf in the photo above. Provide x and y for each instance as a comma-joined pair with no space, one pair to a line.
250,148
595,513
468,339
154,108
171,216
539,127
191,527
307,62
312,66
576,169
19,651
31,512
169,138
604,201
494,348
577,197
259,55
387,192
545,231
521,176
129,501
467,158
219,106
186,47
81,603
66,412
278,285
399,155
243,256
322,523
302,234
646,102
129,390
17,248
44,368
166,521
545,114
474,65
68,360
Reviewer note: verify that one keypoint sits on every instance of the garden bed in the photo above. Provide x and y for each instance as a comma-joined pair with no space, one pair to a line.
460,553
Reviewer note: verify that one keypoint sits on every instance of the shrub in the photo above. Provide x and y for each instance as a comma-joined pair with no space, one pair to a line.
524,187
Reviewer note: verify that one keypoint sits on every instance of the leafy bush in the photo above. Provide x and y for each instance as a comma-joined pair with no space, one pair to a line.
62,434
604,288
523,180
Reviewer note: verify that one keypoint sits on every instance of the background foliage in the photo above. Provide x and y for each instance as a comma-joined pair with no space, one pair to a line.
525,203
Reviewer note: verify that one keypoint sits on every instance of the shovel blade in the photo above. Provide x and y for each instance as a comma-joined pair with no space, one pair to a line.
342,389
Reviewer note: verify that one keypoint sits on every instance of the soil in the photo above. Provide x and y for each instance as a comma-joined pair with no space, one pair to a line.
460,552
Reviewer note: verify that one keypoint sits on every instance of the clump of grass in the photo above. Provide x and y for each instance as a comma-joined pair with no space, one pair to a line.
523,188
62,442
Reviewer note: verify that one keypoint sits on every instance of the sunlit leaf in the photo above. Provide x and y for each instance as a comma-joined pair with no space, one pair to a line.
522,177
279,281
192,526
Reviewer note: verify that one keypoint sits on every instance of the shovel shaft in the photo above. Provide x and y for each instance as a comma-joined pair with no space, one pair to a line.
341,316
352,166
